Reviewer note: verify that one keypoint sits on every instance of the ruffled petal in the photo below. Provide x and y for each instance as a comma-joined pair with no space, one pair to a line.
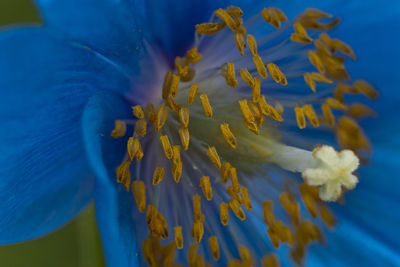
113,204
44,86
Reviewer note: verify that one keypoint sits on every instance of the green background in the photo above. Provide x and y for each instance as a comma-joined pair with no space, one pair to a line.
78,243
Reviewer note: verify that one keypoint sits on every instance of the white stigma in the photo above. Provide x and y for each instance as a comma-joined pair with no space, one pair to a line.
324,167
333,171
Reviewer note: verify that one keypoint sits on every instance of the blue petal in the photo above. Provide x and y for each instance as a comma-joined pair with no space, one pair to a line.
113,204
44,86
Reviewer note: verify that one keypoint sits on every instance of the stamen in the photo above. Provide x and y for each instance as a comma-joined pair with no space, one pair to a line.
273,16
223,213
184,136
124,175
252,43
192,93
133,147
193,56
197,231
209,28
300,118
178,237
139,193
184,117
150,113
316,61
172,104
270,260
229,74
214,247
119,130
228,135
234,11
225,172
167,85
174,85
246,198
206,105
235,207
206,187
158,175
246,77
161,117
262,71
166,146
141,127
138,112
240,44
300,34
223,15
311,116
213,155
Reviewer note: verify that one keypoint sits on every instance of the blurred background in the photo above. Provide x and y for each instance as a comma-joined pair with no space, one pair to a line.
78,243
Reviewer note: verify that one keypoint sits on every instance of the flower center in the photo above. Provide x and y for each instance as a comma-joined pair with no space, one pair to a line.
219,133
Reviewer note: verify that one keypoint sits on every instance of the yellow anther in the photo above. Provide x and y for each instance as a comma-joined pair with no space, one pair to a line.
358,110
244,107
223,213
208,112
262,71
322,50
316,61
275,72
192,255
235,263
327,216
268,212
166,146
256,90
158,175
197,231
300,35
274,237
252,126
300,118
225,172
158,226
308,79
234,180
254,108
350,135
168,254
246,198
176,163
167,85
237,209
334,103
161,117
189,76
225,17
270,260
209,28
177,170
119,129
197,208
141,127
228,135
206,187
344,48
234,11
139,193
192,93
150,113
268,109
178,237
150,213
193,56
240,44
181,66
291,207
138,112
124,175
252,43
174,85
213,155
273,16
229,74
184,136
246,77
149,253
214,247
320,78
184,116
310,197
245,256
172,104
310,114
133,146
366,89
311,78
328,116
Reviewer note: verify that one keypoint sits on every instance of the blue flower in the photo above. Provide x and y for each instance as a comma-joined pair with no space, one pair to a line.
63,85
